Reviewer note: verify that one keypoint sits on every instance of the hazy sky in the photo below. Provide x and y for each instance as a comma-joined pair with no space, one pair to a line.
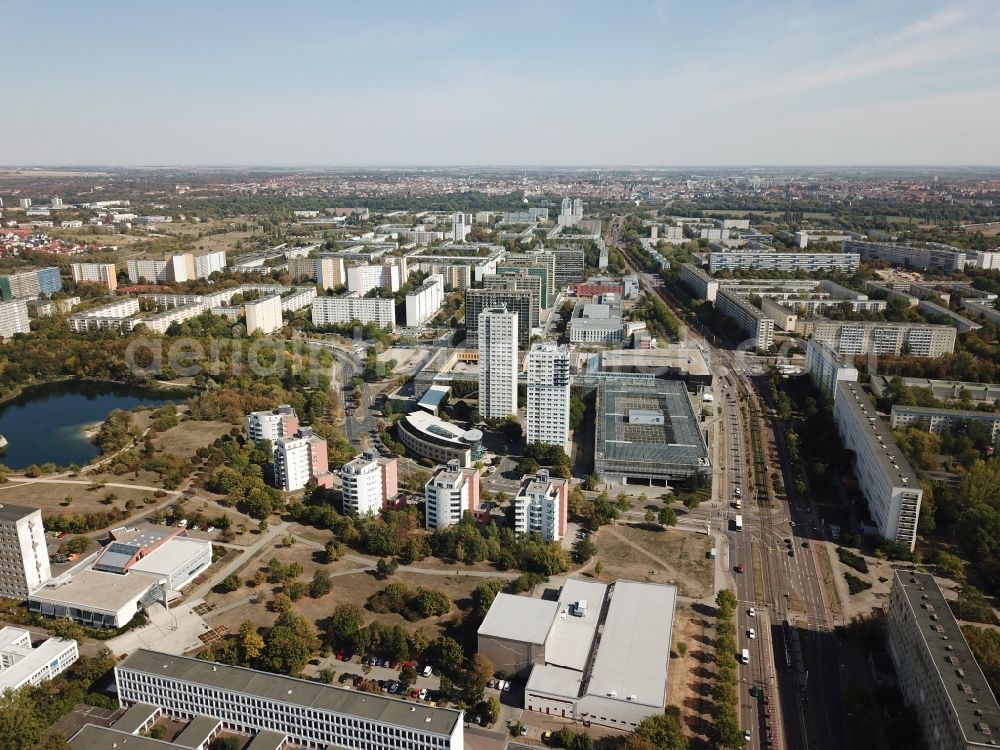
537,82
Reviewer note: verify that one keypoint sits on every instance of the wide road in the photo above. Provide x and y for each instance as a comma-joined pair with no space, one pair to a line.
797,666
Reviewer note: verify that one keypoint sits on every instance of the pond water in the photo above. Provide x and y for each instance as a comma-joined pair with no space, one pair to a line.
47,423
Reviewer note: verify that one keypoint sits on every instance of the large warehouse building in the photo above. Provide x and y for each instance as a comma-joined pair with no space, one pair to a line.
647,433
598,654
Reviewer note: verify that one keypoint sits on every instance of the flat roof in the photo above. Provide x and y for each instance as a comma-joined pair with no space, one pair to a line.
267,739
634,646
197,731
935,622
677,441
434,396
135,716
684,359
172,555
98,590
519,618
93,737
572,638
295,691
546,678
878,434
10,512
32,659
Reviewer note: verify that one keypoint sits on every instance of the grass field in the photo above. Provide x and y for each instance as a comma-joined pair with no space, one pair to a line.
187,437
639,553
50,497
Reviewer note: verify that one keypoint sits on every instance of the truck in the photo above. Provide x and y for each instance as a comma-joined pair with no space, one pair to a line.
745,656
738,522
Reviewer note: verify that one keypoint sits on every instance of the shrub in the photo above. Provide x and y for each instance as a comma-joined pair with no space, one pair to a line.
856,585
852,560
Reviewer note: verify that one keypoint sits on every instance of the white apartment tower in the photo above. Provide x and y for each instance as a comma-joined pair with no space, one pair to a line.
459,229
292,463
548,395
497,363
449,494
541,506
361,485
271,425
24,564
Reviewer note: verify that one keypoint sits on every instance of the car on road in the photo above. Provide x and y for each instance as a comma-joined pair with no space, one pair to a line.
746,736
740,568
752,612
751,634
805,544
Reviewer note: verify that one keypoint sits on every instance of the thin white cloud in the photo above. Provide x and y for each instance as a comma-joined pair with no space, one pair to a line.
944,36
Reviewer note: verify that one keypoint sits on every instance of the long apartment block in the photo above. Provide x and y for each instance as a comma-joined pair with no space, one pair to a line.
774,261
937,672
310,714
748,317
856,337
925,257
936,420
885,477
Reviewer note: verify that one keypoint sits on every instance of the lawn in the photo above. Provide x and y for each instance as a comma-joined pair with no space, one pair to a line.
187,437
50,497
640,553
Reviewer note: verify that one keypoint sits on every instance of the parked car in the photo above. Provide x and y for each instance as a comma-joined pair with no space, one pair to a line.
422,694
345,677
426,671
740,568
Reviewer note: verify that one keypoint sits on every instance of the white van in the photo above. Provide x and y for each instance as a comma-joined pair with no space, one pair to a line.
745,656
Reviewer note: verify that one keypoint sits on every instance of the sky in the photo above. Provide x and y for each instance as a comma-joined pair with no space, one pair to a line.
532,82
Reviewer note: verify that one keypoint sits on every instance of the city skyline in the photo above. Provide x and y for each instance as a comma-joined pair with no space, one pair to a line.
556,84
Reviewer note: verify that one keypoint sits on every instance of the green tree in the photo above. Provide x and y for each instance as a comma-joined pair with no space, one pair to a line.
343,625
230,583
667,517
20,722
288,645
664,731
446,655
250,642
321,584
483,596
385,568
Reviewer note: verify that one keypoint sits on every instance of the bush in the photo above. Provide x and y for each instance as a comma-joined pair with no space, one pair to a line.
852,560
856,585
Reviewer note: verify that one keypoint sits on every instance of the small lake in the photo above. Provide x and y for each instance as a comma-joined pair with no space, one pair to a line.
46,423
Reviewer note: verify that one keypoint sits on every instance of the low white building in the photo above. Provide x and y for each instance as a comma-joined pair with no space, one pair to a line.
21,664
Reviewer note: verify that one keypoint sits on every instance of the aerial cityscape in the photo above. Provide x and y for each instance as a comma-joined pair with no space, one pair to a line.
500,377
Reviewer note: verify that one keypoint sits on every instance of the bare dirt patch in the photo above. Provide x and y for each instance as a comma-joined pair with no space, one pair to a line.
641,553
52,498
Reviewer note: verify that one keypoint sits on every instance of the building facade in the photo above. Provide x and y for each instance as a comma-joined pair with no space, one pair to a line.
21,664
353,309
312,715
790,262
497,363
937,420
548,395
925,258
541,506
857,337
24,564
826,368
936,670
14,318
96,273
885,477
271,425
369,483
749,318
520,301
449,494
423,302
300,459
264,314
